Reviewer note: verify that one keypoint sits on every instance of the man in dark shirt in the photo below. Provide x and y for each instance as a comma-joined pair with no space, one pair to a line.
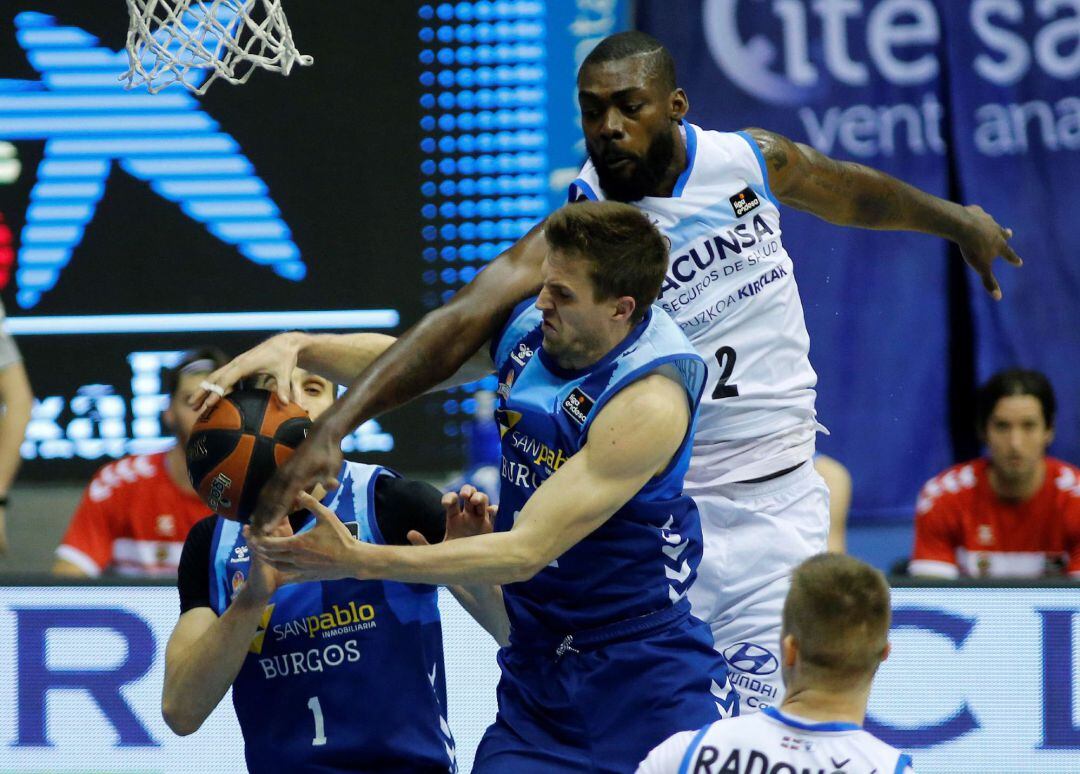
312,648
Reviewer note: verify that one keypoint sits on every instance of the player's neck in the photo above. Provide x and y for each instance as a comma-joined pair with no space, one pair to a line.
176,467
827,706
675,168
594,351
1017,489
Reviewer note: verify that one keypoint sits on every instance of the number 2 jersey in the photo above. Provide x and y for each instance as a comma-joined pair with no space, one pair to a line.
342,676
731,288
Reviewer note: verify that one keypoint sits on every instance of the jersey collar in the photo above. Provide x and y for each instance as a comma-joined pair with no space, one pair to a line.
691,154
804,725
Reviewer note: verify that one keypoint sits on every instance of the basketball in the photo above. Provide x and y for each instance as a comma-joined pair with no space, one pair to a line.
236,446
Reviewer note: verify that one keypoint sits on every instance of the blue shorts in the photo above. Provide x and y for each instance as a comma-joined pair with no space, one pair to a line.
603,707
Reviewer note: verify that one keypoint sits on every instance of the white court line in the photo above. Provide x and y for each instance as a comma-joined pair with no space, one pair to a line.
62,325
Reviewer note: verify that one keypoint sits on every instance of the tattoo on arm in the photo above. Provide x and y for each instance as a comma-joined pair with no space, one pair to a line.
772,148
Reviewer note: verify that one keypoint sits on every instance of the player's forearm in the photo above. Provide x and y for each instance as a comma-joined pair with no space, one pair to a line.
197,678
485,604
427,354
433,350
13,422
341,358
497,558
868,198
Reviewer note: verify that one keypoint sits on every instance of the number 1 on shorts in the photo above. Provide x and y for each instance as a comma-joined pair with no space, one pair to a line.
320,726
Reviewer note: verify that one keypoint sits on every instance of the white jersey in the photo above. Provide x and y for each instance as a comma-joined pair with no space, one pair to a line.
731,288
774,743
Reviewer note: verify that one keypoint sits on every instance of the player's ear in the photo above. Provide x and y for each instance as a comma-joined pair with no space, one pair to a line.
680,105
885,653
624,308
789,650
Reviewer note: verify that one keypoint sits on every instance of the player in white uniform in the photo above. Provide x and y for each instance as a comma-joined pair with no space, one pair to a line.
730,286
835,635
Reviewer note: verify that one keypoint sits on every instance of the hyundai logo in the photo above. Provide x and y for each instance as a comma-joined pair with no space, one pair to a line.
751,658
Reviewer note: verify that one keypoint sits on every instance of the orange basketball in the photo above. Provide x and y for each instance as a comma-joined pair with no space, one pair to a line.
236,446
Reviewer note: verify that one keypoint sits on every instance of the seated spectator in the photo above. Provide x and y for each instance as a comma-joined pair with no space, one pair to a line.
1013,514
17,400
136,513
838,480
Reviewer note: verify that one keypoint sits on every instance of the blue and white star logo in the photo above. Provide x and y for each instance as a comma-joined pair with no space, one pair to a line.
88,121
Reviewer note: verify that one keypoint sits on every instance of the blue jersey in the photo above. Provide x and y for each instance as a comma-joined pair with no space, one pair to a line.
645,556
343,675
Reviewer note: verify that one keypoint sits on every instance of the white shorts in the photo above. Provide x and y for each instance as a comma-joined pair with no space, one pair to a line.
755,535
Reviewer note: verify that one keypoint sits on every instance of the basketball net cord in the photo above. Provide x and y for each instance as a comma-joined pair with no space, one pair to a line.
195,42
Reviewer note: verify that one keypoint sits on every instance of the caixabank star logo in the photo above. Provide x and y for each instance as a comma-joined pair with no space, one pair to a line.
91,124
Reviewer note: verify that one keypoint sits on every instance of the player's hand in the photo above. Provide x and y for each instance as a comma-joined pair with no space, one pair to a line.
325,552
263,578
468,513
274,357
984,241
316,461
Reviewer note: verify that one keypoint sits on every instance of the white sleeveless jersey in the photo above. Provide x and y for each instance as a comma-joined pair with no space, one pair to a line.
731,288
772,742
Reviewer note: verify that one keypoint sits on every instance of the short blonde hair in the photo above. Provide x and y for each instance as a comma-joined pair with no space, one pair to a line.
839,612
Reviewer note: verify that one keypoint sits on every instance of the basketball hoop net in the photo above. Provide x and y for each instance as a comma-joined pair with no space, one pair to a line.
195,42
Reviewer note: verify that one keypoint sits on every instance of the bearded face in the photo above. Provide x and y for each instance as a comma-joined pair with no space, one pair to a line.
626,176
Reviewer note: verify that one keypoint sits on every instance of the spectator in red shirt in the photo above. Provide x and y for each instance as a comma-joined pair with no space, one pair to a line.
1013,514
136,512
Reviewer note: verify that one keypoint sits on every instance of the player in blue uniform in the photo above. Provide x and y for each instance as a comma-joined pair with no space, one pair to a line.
594,541
352,669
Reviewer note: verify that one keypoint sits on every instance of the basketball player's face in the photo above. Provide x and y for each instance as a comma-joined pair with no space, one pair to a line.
627,117
577,328
314,393
1017,437
180,416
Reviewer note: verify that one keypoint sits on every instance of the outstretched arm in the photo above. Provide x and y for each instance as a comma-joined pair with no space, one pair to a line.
851,194
632,439
427,354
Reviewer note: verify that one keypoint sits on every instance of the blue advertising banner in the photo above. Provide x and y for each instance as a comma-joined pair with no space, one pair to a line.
860,81
979,679
1014,101
977,97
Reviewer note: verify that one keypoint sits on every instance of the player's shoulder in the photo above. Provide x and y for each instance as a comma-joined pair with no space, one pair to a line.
125,474
954,483
1065,477
202,531
667,756
877,750
717,150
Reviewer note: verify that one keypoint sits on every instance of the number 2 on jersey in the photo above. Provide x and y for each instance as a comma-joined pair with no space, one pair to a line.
725,357
320,726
